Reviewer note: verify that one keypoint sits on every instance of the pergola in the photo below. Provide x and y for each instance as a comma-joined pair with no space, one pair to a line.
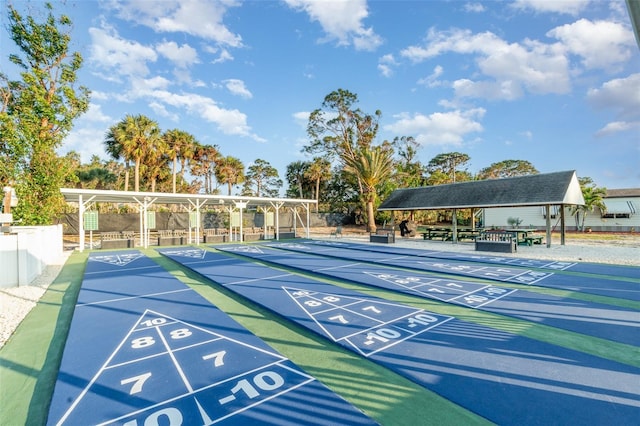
559,188
84,198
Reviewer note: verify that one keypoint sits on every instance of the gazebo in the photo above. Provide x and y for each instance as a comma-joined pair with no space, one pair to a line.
547,189
193,203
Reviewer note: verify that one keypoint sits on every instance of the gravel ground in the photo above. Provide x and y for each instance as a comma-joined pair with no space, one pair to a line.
16,302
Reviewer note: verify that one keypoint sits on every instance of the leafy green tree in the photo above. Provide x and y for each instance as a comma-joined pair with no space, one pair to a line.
507,168
372,166
338,130
341,131
93,175
446,168
262,179
409,171
38,112
229,170
593,197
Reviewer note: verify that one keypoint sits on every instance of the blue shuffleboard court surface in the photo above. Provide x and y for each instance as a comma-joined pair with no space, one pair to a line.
625,271
510,274
504,377
145,349
594,319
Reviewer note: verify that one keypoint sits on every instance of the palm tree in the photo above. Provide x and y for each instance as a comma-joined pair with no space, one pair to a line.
230,170
296,173
203,163
155,160
593,197
179,144
114,147
318,170
139,133
372,166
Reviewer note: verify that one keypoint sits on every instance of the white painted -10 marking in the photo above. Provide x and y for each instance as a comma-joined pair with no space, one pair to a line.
266,381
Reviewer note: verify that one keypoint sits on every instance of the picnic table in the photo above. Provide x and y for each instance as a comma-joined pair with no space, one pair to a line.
525,236
442,233
446,234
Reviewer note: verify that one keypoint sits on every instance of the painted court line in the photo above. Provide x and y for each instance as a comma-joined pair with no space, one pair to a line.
170,357
467,363
589,318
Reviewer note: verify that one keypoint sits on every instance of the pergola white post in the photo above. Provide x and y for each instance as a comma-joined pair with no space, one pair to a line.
241,205
81,209
547,213
197,205
277,206
81,223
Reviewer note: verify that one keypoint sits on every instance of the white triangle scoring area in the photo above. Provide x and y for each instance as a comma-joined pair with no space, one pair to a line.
191,253
169,367
367,325
116,259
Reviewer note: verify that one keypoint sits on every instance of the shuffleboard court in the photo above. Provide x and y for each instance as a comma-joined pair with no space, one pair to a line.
504,377
589,318
512,274
145,349
623,271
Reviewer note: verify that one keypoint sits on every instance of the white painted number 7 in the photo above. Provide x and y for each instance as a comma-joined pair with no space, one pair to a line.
138,382
218,358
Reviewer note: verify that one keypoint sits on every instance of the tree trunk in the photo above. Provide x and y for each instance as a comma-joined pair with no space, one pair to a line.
175,161
371,217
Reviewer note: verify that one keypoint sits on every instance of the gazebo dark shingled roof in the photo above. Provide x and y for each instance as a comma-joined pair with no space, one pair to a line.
532,190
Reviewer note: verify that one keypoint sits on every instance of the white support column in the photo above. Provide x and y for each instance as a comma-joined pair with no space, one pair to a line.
241,205
80,223
82,206
277,206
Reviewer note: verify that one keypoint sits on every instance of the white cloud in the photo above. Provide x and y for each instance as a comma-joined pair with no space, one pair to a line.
432,79
510,67
341,20
200,18
617,127
238,88
440,128
621,94
386,64
94,114
301,118
474,7
182,56
229,121
570,7
224,56
115,55
600,44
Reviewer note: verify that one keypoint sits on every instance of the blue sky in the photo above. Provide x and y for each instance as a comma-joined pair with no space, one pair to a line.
556,83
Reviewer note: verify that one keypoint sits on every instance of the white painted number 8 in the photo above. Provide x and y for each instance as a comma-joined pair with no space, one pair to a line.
142,342
180,333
